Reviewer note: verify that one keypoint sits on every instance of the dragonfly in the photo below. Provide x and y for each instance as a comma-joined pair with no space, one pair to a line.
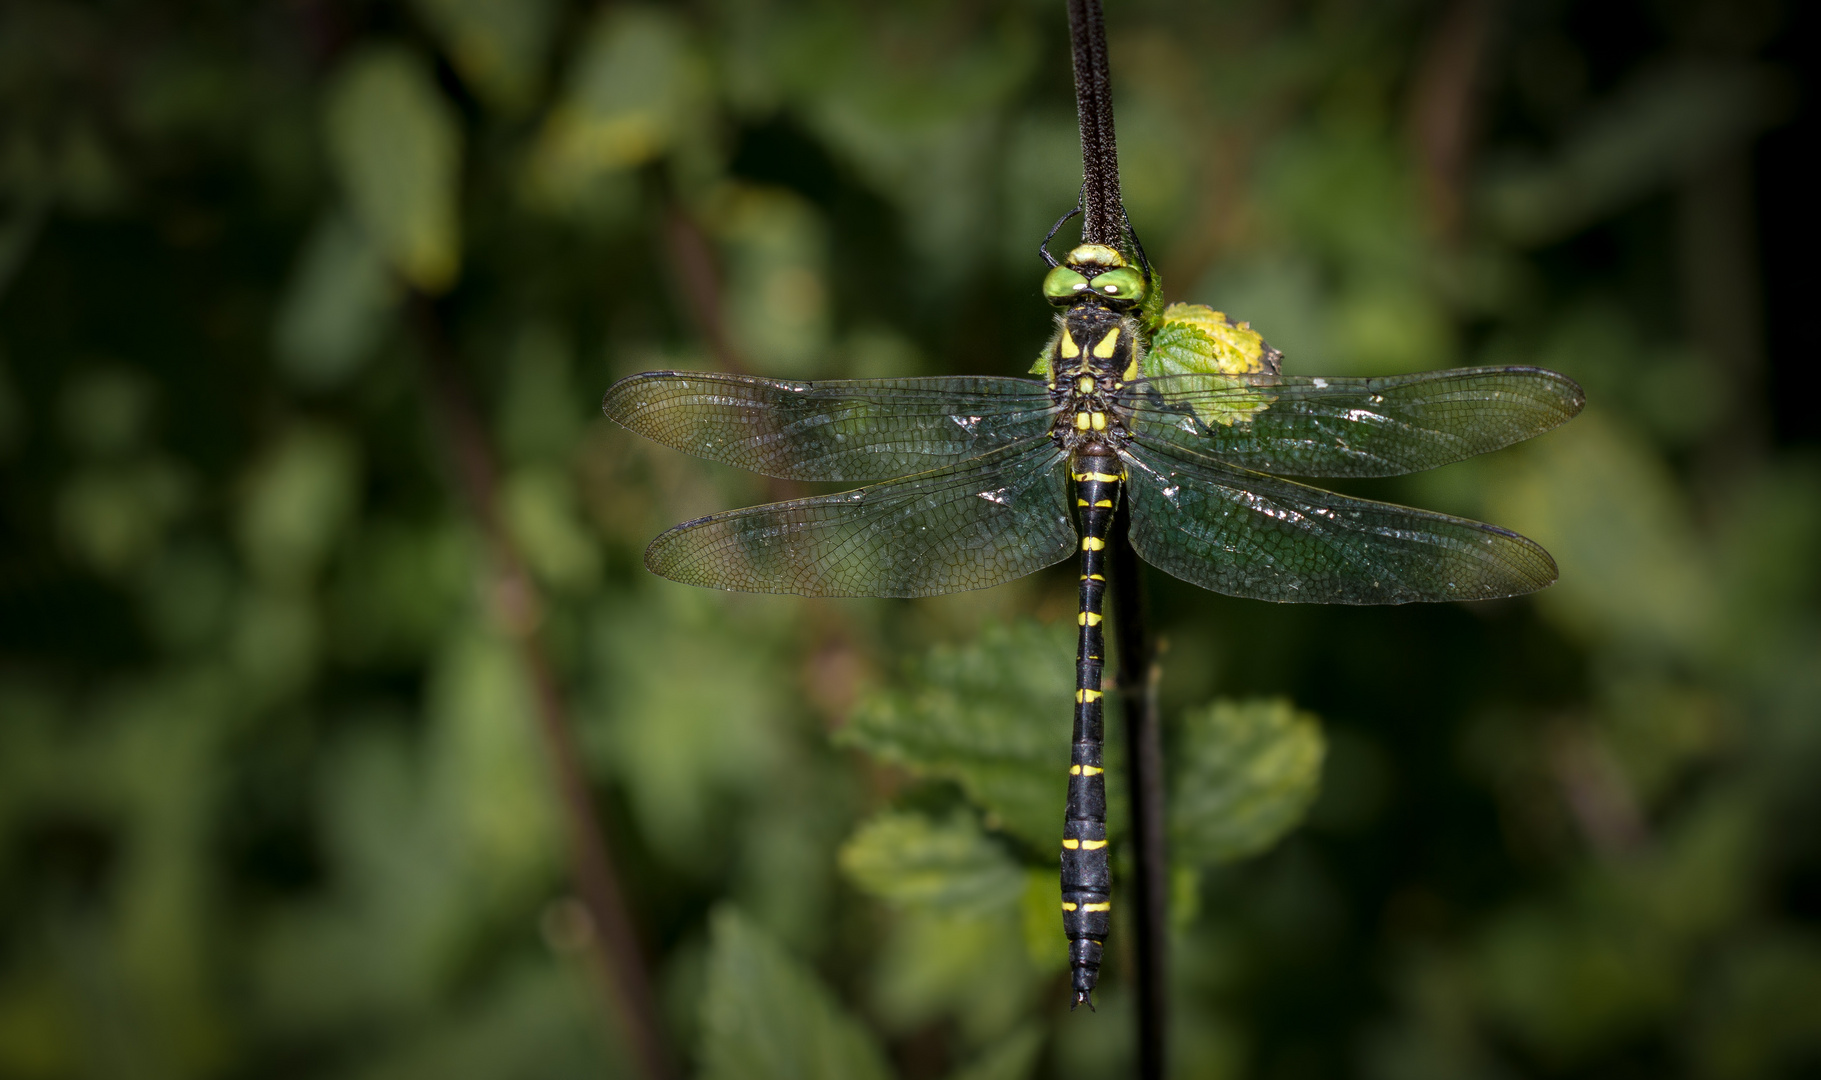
1178,412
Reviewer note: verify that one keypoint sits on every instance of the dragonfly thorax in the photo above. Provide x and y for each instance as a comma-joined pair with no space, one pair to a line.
1095,352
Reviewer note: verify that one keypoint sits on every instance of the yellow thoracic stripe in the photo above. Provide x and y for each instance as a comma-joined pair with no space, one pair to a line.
1083,421
1070,350
1104,350
1131,371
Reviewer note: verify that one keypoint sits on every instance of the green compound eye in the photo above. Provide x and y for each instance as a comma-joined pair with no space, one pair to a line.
1124,283
1063,284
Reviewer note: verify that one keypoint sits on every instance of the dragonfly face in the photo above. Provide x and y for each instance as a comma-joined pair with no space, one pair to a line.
1177,413
1095,271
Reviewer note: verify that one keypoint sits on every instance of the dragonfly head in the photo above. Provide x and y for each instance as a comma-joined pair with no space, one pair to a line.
1098,271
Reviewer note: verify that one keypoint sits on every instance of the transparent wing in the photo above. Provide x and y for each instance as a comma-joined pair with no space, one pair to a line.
1306,426
872,429
1246,534
969,526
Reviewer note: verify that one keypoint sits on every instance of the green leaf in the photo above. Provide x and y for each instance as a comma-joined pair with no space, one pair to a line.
1573,983
956,948
107,412
991,715
497,45
637,89
540,408
1245,774
428,841
1041,920
971,969
924,135
908,859
538,504
487,769
336,305
687,749
534,1022
1196,339
116,516
774,245
300,496
1610,510
767,1017
1751,1029
397,149
1012,1058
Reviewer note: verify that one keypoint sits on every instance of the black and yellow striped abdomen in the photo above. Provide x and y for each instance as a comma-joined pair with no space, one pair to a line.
1095,351
1087,883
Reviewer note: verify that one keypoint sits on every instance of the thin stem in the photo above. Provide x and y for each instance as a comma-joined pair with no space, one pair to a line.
613,946
698,282
1138,677
1103,216
1100,205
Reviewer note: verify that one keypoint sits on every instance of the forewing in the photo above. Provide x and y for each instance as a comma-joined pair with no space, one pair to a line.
872,429
1307,426
968,526
1247,534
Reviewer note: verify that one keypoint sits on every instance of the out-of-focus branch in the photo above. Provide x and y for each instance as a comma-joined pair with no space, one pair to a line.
1723,303
698,282
1597,793
1444,109
613,943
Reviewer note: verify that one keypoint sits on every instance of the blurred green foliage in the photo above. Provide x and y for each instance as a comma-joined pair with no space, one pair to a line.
271,797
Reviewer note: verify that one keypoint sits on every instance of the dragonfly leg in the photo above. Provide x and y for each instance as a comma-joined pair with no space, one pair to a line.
1086,878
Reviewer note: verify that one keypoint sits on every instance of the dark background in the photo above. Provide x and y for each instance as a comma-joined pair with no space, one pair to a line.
272,796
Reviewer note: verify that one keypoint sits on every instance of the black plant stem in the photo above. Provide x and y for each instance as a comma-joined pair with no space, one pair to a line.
1100,207
1102,219
1138,676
